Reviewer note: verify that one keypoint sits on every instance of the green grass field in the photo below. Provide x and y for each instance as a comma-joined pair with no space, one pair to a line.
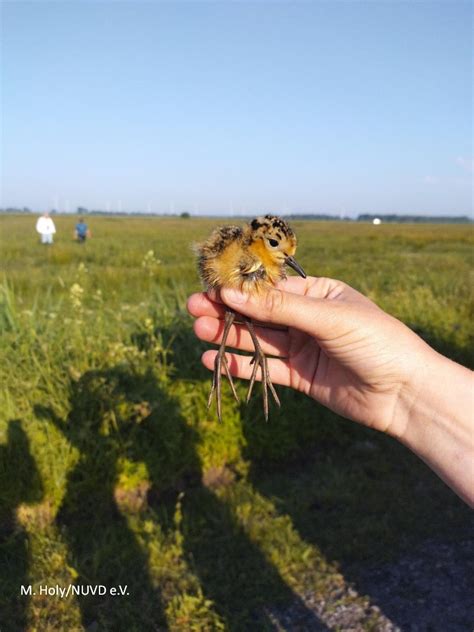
112,471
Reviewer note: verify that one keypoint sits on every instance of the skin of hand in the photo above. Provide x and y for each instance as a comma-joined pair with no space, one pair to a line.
341,349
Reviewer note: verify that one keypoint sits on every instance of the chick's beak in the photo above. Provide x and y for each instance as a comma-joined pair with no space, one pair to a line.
290,261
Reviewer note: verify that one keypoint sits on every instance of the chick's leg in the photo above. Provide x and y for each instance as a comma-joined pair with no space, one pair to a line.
260,360
221,361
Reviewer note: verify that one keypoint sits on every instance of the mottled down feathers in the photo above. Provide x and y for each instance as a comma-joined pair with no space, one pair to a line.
249,258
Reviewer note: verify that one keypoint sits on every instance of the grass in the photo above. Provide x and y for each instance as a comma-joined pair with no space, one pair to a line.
113,472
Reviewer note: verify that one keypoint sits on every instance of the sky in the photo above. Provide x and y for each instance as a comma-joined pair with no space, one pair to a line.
238,107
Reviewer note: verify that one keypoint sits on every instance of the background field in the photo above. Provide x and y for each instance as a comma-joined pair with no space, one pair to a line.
113,472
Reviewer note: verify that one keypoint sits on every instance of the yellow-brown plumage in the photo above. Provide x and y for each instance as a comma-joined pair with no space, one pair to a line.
251,259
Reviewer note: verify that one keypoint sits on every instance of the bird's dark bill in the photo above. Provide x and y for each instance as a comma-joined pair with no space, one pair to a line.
290,261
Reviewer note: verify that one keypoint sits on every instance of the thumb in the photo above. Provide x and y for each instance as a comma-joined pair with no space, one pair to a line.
313,316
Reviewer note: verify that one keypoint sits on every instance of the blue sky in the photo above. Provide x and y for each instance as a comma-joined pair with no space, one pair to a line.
242,107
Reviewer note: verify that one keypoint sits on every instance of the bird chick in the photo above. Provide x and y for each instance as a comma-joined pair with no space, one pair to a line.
250,259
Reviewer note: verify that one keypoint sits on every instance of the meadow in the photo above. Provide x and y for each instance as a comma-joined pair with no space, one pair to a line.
114,473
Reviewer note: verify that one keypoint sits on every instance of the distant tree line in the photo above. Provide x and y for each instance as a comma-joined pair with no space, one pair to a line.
15,210
321,217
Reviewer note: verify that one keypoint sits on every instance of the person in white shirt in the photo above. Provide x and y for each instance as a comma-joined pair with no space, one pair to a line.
46,228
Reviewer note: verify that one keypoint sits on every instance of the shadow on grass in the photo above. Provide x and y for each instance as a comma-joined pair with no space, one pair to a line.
233,571
361,498
102,548
366,506
353,494
106,423
19,483
364,501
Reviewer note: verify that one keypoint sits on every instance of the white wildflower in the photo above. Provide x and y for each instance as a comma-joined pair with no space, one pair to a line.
150,263
76,294
148,325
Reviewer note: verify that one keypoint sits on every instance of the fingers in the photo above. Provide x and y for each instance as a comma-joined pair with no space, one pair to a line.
200,304
240,367
210,303
320,307
323,288
273,342
313,316
317,287
310,315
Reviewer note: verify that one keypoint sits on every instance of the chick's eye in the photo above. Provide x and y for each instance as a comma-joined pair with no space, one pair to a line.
273,243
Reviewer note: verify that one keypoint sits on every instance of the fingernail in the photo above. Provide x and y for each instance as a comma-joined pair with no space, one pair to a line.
232,295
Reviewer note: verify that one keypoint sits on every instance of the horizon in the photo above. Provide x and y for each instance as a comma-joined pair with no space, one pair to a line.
365,216
238,109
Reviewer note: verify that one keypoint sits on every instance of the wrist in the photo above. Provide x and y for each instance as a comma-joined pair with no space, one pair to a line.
424,369
435,420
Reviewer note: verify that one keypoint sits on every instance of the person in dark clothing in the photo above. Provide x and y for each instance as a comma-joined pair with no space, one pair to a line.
82,231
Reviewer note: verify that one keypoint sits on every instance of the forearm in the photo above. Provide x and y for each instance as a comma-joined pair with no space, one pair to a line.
438,409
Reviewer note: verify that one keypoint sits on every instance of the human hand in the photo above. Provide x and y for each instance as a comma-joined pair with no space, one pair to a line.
338,347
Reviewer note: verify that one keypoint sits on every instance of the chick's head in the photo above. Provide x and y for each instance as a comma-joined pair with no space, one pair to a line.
279,240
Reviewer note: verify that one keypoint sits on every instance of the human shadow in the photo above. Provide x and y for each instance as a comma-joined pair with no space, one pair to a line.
102,548
20,483
213,535
369,505
234,573
168,446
